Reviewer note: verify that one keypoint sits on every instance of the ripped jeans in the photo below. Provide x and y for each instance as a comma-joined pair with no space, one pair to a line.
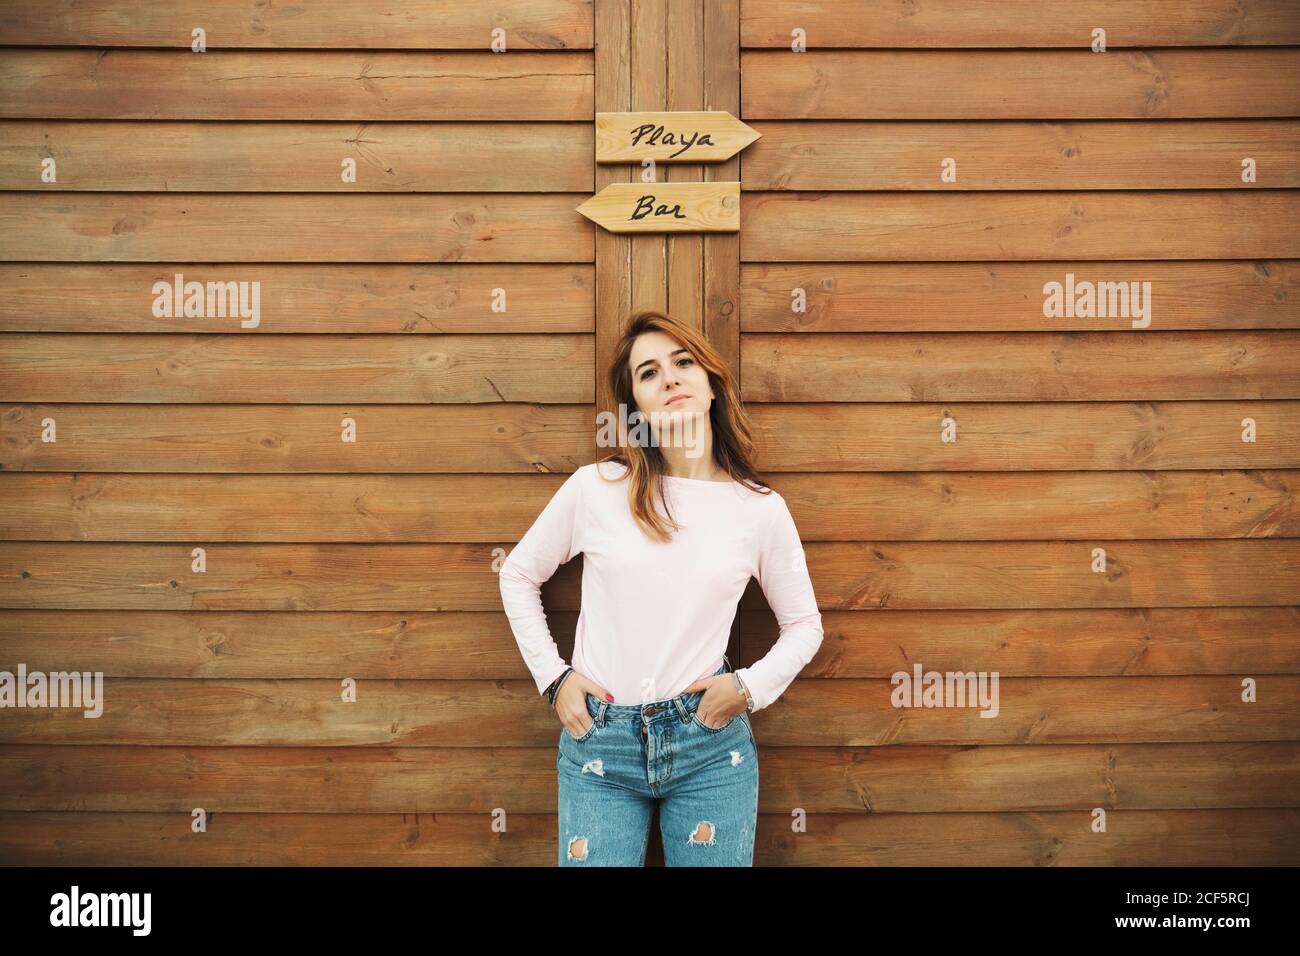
705,781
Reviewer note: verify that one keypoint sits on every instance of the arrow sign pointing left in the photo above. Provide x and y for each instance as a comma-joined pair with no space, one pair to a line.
666,207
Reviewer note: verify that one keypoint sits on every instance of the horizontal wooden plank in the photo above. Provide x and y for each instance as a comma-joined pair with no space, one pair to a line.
445,508
900,506
433,439
1162,154
1006,436
197,227
401,645
981,506
1019,84
1008,296
393,24
406,645
135,156
984,366
842,712
1020,23
896,779
462,577
1043,642
1038,574
1208,224
298,369
1201,837
307,577
421,438
340,297
1081,710
318,85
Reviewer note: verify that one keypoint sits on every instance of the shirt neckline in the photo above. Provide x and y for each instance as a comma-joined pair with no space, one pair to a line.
695,481
701,481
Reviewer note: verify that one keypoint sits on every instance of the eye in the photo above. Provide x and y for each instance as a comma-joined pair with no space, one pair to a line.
685,359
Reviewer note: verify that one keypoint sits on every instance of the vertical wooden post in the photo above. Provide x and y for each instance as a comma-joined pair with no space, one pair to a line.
613,84
721,313
667,55
684,254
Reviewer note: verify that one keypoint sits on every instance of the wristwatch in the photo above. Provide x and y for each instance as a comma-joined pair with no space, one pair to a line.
740,686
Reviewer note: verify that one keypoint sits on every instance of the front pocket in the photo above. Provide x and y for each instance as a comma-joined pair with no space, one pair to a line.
695,717
587,734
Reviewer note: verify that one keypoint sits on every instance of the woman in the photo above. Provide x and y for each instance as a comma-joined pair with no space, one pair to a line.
650,708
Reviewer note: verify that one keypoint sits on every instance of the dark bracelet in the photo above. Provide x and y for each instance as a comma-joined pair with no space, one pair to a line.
554,689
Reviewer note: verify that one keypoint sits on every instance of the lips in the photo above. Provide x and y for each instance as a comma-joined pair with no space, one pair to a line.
677,398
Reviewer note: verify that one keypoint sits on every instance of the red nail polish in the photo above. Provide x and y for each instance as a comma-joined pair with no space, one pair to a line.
609,698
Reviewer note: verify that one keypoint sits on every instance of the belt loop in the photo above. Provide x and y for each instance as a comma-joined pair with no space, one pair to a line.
601,707
726,662
682,713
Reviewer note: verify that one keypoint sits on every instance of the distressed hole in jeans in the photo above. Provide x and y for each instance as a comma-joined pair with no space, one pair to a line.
703,834
578,848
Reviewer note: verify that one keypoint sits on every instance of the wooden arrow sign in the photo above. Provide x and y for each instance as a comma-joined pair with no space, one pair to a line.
666,207
705,136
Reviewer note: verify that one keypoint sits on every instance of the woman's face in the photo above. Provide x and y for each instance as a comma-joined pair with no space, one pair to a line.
666,379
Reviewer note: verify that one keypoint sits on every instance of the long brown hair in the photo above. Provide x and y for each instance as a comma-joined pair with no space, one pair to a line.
733,444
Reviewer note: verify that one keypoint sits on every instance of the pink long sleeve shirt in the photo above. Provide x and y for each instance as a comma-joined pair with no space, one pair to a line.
655,617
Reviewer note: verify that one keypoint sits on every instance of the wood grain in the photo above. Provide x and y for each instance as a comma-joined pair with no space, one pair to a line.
479,645
319,298
1203,837
1017,367
230,439
811,713
284,85
449,780
395,24
1131,154
1009,436
861,574
280,157
1001,85
1008,296
297,369
198,227
1020,23
897,506
1205,224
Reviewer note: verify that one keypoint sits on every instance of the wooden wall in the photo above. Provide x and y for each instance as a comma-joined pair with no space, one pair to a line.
1119,689
375,560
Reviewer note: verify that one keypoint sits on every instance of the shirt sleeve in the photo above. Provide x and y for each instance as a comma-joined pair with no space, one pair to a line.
783,576
552,541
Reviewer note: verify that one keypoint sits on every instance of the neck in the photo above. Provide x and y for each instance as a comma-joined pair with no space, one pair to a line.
693,461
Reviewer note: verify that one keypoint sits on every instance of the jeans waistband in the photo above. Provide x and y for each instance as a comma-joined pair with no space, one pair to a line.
680,707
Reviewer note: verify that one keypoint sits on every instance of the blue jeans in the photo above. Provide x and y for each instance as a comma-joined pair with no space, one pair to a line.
705,781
